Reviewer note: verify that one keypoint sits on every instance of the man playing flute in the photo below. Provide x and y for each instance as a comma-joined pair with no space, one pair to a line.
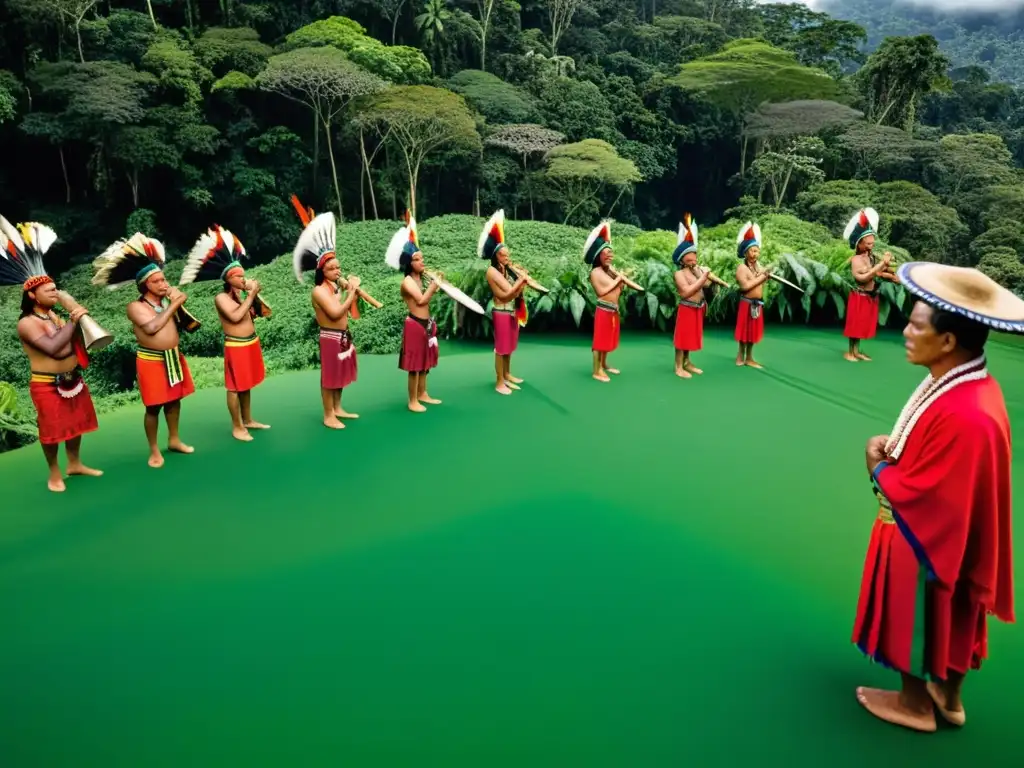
597,252
217,255
862,305
162,371
751,279
419,353
939,561
509,309
690,282
316,250
56,356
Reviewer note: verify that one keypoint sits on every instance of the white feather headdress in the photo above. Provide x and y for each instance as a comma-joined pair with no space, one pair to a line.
315,245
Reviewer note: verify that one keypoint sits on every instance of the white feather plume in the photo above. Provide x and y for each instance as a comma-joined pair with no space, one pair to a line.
498,216
743,233
316,238
682,233
594,234
872,216
693,231
195,257
9,232
393,255
42,236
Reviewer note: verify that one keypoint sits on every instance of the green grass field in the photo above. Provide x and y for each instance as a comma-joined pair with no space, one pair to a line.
651,572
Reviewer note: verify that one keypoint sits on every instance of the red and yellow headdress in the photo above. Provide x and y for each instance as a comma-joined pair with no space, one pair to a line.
598,240
216,254
21,253
749,236
492,237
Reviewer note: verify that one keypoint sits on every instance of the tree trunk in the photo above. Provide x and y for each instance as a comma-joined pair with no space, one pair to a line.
334,170
316,149
78,34
152,16
64,168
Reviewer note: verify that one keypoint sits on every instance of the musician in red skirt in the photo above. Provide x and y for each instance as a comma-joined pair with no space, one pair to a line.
607,284
751,279
939,561
508,311
862,305
419,352
690,282
55,352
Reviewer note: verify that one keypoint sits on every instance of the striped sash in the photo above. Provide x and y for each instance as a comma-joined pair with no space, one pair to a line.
171,359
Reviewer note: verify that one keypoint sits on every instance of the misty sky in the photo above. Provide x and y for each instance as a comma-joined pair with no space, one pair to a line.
955,5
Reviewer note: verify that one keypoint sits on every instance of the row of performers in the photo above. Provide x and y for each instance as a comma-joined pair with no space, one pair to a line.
57,354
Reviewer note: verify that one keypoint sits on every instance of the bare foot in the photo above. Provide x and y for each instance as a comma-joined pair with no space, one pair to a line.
740,361
333,423
179,447
513,379
342,414
601,377
682,373
503,390
256,425
429,400
886,705
955,717
81,469
56,484
511,384
862,356
614,371
693,369
156,460
851,358
417,407
242,434
754,364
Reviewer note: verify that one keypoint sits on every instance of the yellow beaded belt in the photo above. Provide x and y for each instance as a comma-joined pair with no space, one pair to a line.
169,357
885,510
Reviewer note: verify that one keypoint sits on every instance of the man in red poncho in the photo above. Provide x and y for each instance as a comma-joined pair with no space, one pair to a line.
939,559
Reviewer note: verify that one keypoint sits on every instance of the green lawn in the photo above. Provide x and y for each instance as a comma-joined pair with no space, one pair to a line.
650,572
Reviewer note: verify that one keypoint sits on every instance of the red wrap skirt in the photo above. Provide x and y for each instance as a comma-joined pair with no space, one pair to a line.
163,376
750,330
64,408
606,327
419,345
506,331
861,316
243,363
908,623
338,366
689,333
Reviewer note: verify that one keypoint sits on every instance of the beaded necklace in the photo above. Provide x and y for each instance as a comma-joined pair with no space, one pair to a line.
927,392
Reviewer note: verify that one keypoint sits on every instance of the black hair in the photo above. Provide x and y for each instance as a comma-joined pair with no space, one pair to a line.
318,276
405,263
970,334
28,306
228,288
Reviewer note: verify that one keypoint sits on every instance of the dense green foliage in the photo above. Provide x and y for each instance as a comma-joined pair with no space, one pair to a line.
162,117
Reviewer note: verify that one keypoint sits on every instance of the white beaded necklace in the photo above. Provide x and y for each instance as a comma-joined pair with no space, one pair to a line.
927,393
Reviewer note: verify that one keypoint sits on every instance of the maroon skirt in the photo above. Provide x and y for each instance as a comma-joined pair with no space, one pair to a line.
506,331
337,359
419,345
64,408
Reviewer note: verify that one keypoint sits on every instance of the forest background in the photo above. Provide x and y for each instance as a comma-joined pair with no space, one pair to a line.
167,116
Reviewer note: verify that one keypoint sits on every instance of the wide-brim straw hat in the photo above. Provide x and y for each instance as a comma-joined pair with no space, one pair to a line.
965,291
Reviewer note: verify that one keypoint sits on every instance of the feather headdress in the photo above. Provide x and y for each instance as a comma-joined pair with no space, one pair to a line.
129,261
216,253
315,246
21,253
492,237
403,246
686,242
749,236
600,237
863,223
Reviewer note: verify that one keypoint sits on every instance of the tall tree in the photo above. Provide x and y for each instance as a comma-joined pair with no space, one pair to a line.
898,75
420,119
325,81
560,13
580,172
